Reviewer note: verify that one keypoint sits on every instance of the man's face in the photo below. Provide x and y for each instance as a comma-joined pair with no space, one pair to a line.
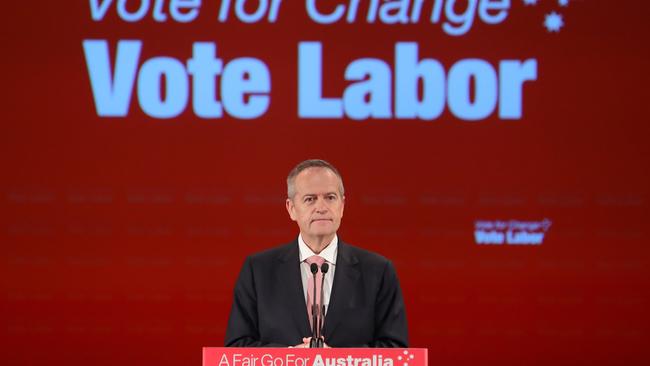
317,205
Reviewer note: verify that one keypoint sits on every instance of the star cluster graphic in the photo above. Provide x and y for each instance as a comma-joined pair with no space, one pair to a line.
406,358
553,21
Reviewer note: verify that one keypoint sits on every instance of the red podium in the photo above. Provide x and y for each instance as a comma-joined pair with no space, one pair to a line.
222,356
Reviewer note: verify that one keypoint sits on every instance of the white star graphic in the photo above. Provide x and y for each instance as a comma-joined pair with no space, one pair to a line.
530,2
553,22
563,2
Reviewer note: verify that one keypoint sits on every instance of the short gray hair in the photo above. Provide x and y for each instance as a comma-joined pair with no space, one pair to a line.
310,163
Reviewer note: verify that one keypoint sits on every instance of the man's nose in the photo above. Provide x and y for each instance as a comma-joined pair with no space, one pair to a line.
321,205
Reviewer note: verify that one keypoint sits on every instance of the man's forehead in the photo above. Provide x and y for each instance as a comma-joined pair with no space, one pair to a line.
317,181
317,186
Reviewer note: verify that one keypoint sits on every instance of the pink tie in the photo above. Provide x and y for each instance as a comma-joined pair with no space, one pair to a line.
310,284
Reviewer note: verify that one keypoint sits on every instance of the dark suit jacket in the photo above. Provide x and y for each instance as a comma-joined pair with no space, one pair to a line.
365,310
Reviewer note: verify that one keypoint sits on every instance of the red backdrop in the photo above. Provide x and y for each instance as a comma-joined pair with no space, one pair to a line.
122,236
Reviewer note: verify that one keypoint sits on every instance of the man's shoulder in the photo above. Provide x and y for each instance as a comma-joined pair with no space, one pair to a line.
282,251
354,253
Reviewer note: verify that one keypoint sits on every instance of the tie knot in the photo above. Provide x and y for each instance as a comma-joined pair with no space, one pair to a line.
315,259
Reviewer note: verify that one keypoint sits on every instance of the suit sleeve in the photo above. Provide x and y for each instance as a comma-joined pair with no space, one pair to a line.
390,314
243,324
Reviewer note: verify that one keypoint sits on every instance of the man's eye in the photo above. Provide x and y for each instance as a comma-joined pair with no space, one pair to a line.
309,199
331,198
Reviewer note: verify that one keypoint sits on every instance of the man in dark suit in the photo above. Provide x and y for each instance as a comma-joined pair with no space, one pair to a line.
362,297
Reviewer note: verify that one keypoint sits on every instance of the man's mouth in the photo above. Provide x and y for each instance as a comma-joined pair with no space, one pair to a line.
317,220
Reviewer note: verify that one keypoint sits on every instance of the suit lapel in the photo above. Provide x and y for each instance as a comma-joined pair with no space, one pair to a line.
344,289
289,274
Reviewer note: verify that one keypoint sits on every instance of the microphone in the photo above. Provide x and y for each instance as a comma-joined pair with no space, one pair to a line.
314,310
320,343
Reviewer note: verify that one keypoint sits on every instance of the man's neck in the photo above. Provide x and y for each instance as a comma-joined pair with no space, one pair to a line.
317,243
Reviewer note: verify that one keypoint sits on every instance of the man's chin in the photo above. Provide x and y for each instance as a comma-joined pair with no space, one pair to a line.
322,225
323,231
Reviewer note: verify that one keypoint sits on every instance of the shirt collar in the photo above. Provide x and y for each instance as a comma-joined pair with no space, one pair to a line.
329,253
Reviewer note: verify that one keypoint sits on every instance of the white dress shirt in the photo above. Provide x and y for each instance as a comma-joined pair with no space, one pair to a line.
329,253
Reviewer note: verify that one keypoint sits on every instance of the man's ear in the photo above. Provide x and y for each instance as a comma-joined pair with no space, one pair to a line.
290,209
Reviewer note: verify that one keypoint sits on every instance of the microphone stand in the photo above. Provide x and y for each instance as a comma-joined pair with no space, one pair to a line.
320,342
313,343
